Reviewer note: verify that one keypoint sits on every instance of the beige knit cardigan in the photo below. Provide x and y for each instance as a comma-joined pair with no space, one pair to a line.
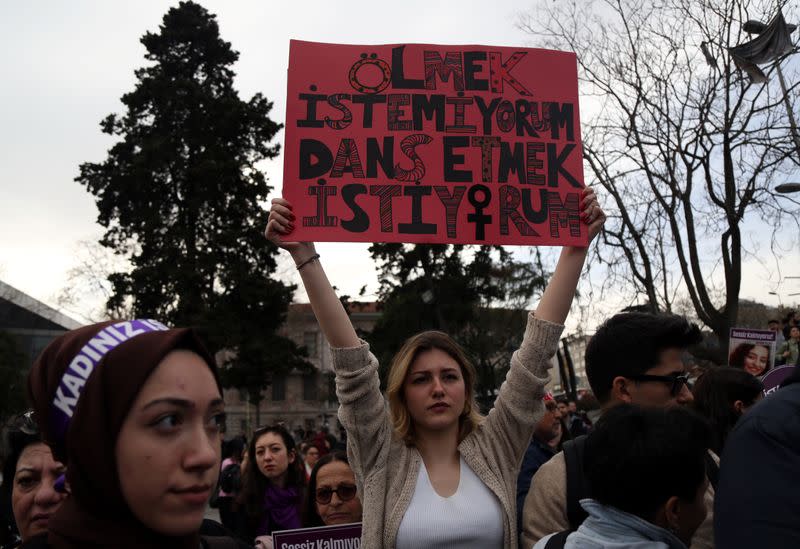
386,469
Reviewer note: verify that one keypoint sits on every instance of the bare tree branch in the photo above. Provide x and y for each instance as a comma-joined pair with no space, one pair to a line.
685,145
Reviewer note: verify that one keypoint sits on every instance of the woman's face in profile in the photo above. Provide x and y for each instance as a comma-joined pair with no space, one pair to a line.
756,360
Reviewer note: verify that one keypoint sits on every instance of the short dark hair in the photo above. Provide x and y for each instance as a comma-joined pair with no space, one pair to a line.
308,446
233,449
637,458
714,395
629,344
773,321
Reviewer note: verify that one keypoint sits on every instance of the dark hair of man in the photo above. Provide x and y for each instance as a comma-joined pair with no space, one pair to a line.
638,458
629,344
772,321
715,393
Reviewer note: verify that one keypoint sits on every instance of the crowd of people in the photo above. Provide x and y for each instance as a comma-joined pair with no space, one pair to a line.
123,447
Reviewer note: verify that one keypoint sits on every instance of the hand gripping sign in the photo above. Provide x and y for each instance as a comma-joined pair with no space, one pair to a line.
433,144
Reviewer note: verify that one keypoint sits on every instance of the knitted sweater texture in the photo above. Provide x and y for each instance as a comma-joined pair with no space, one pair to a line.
386,469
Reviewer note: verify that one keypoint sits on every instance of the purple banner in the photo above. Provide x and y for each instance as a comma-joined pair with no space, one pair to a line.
772,381
84,363
344,536
756,335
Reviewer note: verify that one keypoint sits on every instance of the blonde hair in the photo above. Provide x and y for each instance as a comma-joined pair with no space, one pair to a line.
470,417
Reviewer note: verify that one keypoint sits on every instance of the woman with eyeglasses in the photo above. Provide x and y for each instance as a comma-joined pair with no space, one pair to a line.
135,411
431,470
332,497
273,484
29,488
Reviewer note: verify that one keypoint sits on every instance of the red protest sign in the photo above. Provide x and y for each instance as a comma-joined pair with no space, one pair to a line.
424,143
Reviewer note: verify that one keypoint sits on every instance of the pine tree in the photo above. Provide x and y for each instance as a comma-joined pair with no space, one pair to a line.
179,196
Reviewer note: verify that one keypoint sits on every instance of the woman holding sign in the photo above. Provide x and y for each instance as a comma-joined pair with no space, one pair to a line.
432,471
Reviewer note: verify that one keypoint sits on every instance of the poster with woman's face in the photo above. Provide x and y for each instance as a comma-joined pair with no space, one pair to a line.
752,350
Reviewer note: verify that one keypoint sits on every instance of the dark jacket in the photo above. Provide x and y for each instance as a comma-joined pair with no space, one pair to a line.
576,426
537,454
758,500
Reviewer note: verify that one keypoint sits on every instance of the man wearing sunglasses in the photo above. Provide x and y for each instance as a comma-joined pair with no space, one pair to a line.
634,358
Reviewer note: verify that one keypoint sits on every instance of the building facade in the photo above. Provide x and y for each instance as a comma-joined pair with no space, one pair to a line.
33,324
576,346
300,400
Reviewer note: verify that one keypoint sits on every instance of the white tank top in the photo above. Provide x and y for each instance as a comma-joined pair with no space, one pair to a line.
472,518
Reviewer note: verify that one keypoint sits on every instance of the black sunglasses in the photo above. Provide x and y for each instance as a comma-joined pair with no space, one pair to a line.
677,381
346,492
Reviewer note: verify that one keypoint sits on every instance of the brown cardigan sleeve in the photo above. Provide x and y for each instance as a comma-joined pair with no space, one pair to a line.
507,430
362,409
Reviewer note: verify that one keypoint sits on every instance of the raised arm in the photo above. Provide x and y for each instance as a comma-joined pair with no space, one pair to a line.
362,409
557,298
518,406
330,313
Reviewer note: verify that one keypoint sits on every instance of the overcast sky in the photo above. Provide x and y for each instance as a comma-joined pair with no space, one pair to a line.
66,64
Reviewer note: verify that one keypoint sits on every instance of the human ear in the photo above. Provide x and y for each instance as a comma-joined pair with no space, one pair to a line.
739,407
620,389
672,512
292,455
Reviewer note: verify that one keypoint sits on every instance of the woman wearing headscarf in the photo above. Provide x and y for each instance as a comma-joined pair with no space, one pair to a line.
134,410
